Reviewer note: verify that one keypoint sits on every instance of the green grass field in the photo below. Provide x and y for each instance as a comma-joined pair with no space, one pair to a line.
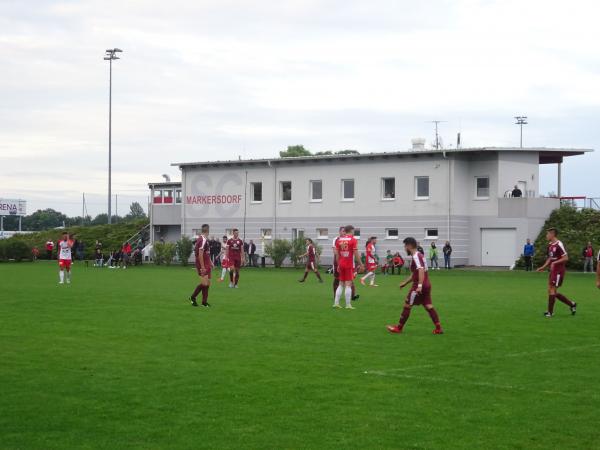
119,359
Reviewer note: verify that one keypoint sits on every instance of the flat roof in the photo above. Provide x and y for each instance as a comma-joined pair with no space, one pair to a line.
165,184
547,156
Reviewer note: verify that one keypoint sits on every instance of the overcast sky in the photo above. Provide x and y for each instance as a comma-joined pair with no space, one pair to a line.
207,80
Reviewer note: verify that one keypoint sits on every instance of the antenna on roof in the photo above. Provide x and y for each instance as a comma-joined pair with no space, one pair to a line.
437,136
521,120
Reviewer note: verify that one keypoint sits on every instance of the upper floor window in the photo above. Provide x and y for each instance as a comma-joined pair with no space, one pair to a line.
388,188
316,190
482,187
178,196
421,188
256,192
285,191
168,196
158,196
347,190
322,233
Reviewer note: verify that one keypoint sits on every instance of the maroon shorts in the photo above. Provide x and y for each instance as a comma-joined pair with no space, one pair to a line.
557,277
346,273
64,264
235,263
208,268
414,298
311,265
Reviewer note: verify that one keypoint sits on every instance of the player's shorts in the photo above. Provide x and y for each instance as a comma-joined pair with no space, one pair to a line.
414,298
346,273
557,277
64,264
310,265
225,263
199,270
236,263
371,267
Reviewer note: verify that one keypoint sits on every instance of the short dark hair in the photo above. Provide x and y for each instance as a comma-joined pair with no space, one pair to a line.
309,240
204,226
553,230
348,228
342,228
410,241
224,237
235,229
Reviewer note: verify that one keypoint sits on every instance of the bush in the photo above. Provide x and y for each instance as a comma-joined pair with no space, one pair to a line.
164,252
297,248
184,247
2,250
17,250
278,250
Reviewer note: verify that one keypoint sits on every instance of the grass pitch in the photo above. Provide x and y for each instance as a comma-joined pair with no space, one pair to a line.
119,359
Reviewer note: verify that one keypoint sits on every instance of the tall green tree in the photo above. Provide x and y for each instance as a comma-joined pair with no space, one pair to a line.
136,212
295,150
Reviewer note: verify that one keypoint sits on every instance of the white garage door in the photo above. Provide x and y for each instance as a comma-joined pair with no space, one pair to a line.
498,246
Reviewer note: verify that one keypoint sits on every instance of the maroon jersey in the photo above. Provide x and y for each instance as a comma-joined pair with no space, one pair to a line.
235,248
312,254
202,244
419,262
556,250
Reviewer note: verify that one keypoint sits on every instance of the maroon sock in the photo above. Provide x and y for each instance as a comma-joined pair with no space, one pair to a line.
236,278
434,317
305,275
353,290
231,276
318,276
336,283
551,301
205,295
404,316
565,300
196,291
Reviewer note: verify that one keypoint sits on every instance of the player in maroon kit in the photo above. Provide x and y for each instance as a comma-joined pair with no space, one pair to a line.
311,261
235,254
557,260
203,267
346,253
336,275
420,292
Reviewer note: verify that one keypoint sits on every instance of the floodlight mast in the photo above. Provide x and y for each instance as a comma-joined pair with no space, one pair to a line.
109,56
521,120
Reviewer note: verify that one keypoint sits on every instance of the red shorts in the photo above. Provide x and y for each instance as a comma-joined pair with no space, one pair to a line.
557,277
346,273
225,263
64,264
371,267
310,265
414,298
236,263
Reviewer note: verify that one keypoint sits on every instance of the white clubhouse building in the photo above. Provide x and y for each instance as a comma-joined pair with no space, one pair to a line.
461,196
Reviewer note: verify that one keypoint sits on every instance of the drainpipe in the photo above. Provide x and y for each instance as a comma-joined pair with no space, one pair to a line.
559,180
449,197
274,233
245,204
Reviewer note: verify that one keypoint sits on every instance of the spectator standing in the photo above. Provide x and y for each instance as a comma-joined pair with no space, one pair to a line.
246,251
528,252
49,248
125,254
447,250
420,249
397,263
598,271
35,253
588,258
433,257
516,192
252,253
75,248
99,257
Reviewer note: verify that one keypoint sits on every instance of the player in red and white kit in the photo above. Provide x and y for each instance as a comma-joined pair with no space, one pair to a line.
336,278
235,254
224,259
420,292
371,262
311,261
64,258
346,253
557,260
203,267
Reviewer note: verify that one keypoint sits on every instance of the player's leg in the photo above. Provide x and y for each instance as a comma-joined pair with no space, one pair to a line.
61,273
434,317
403,316
355,296
223,272
348,294
336,282
68,272
236,277
303,279
318,275
570,303
205,288
551,300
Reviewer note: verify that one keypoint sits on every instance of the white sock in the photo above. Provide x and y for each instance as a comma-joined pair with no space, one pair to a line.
223,272
338,294
61,276
348,296
368,275
69,276
372,278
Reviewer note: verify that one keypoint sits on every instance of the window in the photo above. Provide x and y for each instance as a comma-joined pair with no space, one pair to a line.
391,233
482,187
286,191
357,233
256,192
178,196
316,191
421,188
168,196
431,233
322,233
388,188
266,233
347,190
158,196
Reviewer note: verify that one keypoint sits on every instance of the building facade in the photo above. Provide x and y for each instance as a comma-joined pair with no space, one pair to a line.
461,196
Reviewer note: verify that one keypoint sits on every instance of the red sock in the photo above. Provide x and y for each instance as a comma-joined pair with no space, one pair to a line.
404,316
434,317
551,301
204,294
196,291
564,299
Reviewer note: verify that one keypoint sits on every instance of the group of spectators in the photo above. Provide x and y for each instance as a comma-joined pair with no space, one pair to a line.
217,249
118,258
78,249
394,262
587,256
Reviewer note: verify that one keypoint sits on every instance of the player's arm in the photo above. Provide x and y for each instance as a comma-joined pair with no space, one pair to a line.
358,260
563,259
421,279
405,282
545,265
200,258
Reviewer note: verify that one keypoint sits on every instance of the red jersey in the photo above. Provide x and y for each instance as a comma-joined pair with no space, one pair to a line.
235,248
556,250
346,245
370,256
311,252
202,244
419,262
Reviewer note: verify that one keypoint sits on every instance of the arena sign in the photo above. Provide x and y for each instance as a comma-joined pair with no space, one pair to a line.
11,207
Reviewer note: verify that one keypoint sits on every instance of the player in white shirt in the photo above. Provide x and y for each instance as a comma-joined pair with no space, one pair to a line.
64,258
225,266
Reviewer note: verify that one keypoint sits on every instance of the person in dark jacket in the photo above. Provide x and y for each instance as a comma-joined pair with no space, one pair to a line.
447,251
528,252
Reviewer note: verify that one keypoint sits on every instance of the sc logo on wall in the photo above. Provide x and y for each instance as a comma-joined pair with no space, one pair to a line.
222,193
